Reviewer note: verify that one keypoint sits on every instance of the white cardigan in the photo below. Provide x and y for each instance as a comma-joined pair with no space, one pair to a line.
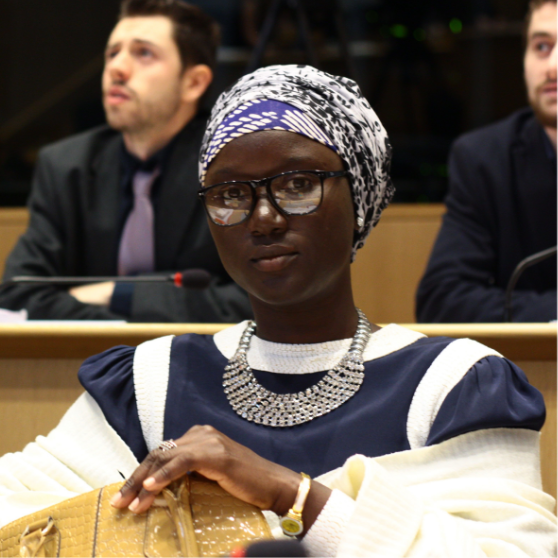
478,494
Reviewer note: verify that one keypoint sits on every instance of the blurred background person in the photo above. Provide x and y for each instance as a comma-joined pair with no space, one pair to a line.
99,198
501,206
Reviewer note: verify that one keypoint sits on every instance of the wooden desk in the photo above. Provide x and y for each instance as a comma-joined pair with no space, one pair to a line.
38,366
13,222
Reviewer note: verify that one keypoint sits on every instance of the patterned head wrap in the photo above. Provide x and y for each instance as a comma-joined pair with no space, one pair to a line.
323,107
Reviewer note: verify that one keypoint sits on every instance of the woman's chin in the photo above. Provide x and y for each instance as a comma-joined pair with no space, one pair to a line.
279,291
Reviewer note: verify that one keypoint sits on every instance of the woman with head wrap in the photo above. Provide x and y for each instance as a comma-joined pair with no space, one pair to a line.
421,446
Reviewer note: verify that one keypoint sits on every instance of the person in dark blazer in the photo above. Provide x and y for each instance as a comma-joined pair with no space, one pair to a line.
501,207
86,216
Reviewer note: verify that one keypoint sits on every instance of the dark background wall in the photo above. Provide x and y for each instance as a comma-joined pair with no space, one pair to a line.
432,69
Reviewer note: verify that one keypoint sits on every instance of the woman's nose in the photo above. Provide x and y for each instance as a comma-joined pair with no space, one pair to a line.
266,220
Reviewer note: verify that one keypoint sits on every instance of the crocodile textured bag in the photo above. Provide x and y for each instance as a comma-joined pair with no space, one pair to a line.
192,517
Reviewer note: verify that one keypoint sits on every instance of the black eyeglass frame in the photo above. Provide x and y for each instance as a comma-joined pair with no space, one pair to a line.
266,182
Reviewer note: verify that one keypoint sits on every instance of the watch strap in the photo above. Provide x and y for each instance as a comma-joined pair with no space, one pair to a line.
292,523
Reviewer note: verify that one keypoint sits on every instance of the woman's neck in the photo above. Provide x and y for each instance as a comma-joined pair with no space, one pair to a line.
330,318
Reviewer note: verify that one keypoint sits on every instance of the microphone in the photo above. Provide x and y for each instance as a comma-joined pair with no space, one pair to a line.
189,278
518,271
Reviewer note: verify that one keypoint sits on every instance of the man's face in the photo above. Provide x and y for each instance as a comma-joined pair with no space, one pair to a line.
142,76
540,64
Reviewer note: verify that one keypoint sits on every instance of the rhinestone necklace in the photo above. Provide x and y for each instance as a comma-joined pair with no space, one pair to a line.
254,403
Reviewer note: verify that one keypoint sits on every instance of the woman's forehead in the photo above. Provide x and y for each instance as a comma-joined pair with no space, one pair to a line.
270,152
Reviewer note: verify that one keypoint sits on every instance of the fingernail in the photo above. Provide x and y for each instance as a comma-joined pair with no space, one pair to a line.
116,499
149,483
134,505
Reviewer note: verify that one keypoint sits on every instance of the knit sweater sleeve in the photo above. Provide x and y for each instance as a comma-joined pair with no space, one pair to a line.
471,477
478,494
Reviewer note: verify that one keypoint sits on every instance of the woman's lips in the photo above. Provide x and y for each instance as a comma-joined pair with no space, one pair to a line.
274,263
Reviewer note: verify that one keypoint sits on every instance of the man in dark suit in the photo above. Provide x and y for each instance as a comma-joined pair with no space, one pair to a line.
501,207
121,199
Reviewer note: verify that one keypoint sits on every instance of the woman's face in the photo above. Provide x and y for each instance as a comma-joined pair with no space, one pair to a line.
285,259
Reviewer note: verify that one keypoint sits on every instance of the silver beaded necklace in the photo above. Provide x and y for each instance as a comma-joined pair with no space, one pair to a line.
254,403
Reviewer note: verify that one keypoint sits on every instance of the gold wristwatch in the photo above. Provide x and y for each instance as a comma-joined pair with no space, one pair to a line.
291,523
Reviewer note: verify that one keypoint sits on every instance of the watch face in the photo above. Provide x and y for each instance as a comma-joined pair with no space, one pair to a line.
291,526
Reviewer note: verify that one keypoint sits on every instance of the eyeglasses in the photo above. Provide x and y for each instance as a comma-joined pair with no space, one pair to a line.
291,193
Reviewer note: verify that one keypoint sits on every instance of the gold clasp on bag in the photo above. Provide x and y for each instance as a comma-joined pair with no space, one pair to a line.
40,539
169,528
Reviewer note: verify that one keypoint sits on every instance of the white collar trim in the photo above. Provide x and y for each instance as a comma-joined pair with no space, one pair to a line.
284,358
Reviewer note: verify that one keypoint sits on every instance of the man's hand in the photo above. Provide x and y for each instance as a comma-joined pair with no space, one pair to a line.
97,293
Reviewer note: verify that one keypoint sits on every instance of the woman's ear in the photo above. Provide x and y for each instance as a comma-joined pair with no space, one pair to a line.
195,81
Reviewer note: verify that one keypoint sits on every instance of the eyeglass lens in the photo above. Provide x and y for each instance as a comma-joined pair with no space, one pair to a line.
296,194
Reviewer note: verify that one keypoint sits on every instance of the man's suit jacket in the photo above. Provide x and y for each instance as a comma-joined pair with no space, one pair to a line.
74,229
501,208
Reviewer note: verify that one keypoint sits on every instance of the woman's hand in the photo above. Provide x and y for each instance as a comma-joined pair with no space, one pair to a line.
237,469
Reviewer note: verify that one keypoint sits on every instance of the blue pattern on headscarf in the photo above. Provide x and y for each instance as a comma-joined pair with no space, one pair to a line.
264,114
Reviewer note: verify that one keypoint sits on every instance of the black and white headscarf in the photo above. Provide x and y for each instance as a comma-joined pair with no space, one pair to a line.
335,105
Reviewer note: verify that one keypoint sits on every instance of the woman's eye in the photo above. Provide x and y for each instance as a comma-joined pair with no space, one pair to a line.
234,193
229,197
298,184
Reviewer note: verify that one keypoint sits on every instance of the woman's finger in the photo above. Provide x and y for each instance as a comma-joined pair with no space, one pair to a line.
162,476
134,484
143,501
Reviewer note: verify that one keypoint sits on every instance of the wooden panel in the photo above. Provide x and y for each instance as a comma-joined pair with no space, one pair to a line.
34,394
514,341
13,222
387,270
81,340
535,342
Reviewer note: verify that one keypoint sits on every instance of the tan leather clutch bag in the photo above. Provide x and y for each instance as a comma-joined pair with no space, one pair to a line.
192,517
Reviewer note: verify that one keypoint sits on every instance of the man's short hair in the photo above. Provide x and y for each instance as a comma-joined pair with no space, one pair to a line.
195,33
533,6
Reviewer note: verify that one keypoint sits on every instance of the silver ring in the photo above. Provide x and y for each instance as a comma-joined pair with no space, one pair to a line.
167,445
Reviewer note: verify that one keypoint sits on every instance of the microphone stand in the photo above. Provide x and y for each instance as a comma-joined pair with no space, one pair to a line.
30,280
190,278
518,271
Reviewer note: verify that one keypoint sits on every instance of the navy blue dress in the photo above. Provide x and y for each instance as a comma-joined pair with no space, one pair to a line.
493,393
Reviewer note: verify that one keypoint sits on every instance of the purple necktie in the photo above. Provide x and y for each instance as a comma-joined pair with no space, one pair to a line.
136,253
